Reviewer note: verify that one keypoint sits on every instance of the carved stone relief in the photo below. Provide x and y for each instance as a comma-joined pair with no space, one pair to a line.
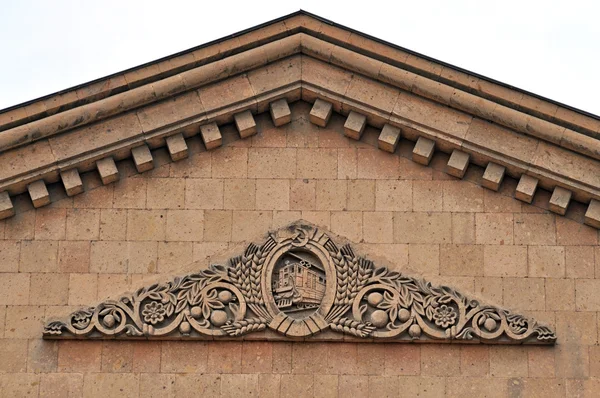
299,283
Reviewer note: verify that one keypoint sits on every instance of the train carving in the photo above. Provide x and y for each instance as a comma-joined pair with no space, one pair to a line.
298,283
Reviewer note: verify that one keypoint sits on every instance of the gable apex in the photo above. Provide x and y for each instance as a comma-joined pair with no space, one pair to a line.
303,57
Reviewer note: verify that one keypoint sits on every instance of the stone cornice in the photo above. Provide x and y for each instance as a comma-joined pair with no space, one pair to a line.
299,284
300,66
317,27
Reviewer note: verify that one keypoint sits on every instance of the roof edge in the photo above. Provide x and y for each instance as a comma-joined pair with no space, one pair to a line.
469,81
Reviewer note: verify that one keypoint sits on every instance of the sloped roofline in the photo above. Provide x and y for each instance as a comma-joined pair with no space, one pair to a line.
332,23
593,132
300,57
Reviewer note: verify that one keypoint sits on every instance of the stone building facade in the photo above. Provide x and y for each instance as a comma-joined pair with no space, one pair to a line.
424,169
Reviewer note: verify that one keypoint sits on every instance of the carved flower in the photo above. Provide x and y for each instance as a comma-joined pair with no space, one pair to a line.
444,316
154,312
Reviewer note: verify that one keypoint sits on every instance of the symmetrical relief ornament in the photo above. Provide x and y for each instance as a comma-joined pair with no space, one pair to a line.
299,283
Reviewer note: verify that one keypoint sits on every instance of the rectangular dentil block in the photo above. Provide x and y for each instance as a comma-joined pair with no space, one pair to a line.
280,112
39,193
423,151
592,215
493,176
526,188
142,157
245,123
355,125
6,206
560,200
321,113
211,135
389,138
458,163
108,170
72,182
177,146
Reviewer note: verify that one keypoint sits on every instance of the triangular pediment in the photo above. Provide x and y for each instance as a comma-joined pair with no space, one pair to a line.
300,282
404,95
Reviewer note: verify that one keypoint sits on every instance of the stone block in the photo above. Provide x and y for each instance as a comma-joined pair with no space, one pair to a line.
574,233
462,196
458,163
39,193
422,227
494,228
61,385
361,195
203,193
6,206
49,289
211,135
423,151
546,261
317,163
355,125
24,322
142,157
271,163
592,215
15,289
72,182
560,200
272,194
534,229
493,176
331,194
508,361
474,360
463,228
83,224
393,195
177,146
427,195
244,121
146,225
461,260
14,356
39,256
373,164
280,112
321,113
505,261
165,193
9,256
389,138
217,225
526,188
80,356
108,170
378,227
440,360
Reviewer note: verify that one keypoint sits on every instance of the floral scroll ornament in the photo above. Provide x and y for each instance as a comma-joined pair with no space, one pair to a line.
362,300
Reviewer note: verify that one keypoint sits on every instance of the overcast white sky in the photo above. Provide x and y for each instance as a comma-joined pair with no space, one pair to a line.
551,48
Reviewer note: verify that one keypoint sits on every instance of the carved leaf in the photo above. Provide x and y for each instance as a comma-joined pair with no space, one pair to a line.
418,307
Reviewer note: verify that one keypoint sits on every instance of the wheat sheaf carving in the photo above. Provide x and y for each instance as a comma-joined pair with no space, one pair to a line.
235,300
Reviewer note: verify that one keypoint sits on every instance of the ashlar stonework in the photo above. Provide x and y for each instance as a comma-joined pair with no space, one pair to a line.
299,283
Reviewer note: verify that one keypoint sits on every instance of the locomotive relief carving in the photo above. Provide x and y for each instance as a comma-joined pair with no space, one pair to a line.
300,283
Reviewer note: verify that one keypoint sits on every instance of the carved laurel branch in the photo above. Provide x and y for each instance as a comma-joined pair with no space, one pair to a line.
369,302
